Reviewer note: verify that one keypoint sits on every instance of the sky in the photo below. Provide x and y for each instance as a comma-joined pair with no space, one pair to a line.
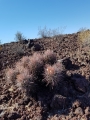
29,16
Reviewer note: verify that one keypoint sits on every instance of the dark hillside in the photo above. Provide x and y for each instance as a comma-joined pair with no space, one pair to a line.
75,90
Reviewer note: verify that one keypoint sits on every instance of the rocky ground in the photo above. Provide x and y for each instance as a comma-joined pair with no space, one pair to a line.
71,102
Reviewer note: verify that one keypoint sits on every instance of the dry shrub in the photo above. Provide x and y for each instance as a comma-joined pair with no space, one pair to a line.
84,41
49,57
84,37
19,36
53,74
45,32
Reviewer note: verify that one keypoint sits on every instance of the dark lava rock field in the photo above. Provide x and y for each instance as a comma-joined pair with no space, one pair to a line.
71,102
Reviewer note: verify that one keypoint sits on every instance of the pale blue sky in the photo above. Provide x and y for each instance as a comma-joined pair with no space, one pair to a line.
27,16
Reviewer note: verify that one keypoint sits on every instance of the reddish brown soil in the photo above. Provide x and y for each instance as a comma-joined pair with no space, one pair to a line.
71,102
